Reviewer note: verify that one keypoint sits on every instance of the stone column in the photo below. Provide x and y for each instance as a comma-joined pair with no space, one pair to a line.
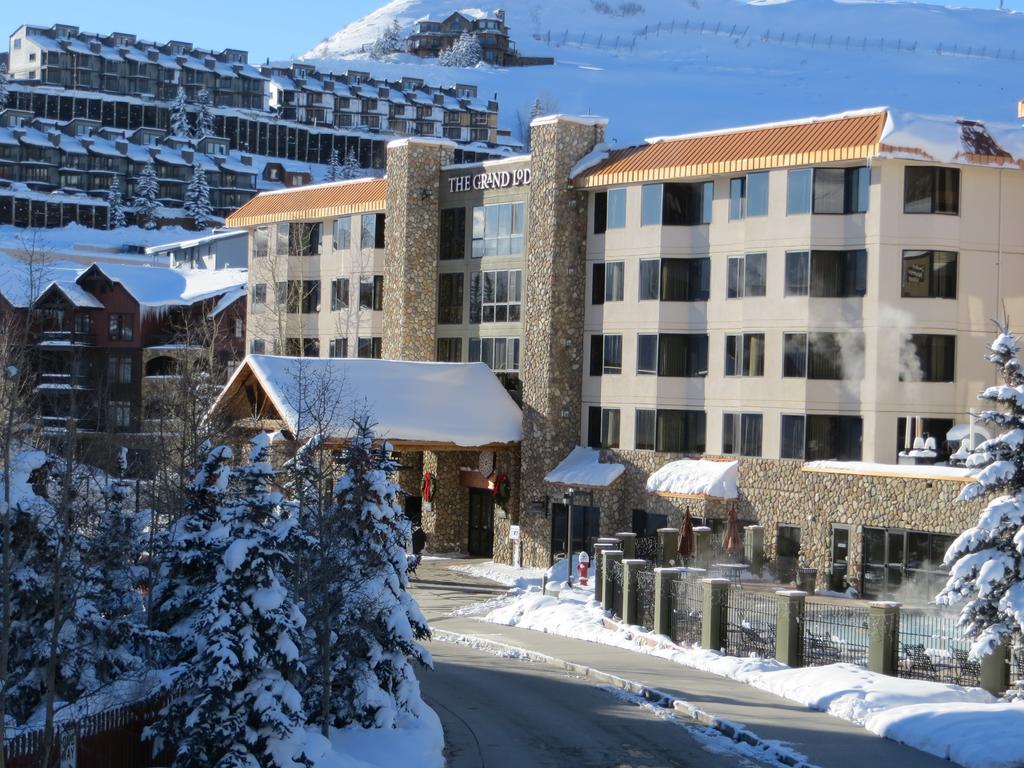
702,546
789,627
411,235
445,523
753,546
599,548
883,637
713,622
628,540
551,366
630,567
664,578
610,556
995,671
668,541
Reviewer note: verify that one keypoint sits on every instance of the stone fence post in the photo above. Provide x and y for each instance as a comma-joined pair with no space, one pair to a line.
789,627
664,578
995,671
883,637
702,546
630,568
668,541
609,556
753,548
628,540
598,570
713,622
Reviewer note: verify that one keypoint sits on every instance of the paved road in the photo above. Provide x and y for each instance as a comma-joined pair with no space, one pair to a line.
500,712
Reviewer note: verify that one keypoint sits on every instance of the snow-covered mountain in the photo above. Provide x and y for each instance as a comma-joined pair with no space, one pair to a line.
685,65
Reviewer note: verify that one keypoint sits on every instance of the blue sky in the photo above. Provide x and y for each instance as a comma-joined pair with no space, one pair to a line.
266,28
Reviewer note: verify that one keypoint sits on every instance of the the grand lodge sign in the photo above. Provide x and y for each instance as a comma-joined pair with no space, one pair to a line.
520,177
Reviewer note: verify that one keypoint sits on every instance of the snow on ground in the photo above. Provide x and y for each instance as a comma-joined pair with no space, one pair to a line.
416,742
508,575
966,725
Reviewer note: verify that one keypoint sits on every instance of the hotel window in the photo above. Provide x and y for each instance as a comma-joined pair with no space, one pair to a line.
304,347
339,294
683,355
928,357
304,239
259,293
823,356
261,242
119,369
83,324
121,326
647,354
817,437
338,348
372,231
500,355
239,328
498,230
675,279
367,346
603,427
746,275
449,298
495,297
744,354
748,196
645,429
453,233
676,205
741,433
257,346
828,190
929,275
931,189
616,208
608,281
310,301
679,431
120,412
605,354
341,233
371,292
827,274
449,350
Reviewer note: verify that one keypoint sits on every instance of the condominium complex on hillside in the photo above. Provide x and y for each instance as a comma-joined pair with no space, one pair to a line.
784,295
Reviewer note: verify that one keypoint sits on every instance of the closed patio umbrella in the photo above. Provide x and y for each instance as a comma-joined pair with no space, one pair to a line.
686,543
732,542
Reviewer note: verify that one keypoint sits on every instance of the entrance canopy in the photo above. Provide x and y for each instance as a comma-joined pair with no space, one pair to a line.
695,479
415,406
582,468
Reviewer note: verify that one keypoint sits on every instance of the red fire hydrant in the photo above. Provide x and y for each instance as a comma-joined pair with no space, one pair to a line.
582,567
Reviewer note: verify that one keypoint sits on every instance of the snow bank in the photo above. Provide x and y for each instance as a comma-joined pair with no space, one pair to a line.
508,575
583,467
693,477
415,742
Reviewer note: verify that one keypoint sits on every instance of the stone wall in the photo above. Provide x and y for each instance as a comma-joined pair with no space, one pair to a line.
411,239
552,358
445,518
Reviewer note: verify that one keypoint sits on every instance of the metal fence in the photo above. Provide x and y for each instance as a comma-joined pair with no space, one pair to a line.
645,598
833,634
1017,664
615,585
687,610
647,548
932,647
750,623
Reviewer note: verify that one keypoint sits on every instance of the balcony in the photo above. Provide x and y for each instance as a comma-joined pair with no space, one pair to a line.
66,339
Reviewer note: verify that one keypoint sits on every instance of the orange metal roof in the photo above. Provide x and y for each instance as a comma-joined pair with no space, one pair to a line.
313,202
843,137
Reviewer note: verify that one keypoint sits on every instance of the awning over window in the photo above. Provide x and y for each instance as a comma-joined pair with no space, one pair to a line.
583,468
695,478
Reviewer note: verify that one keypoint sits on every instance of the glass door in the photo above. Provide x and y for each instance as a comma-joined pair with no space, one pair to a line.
840,557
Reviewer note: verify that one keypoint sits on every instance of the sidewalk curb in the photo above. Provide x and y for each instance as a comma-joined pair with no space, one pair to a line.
735,731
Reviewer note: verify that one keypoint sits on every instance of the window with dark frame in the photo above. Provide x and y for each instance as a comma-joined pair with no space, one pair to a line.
121,326
119,369
338,347
928,357
453,234
371,233
449,350
259,293
495,296
449,298
371,292
500,354
931,189
929,275
498,229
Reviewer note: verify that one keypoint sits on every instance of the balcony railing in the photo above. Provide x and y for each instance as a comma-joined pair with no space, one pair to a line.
66,338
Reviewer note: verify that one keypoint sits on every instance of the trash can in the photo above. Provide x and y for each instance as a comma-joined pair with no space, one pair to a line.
806,578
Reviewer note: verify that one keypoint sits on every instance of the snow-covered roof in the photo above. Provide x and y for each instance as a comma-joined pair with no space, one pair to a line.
432,404
583,467
920,471
696,477
74,293
162,287
194,241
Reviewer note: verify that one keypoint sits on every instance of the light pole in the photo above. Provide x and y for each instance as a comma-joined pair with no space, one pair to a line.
568,535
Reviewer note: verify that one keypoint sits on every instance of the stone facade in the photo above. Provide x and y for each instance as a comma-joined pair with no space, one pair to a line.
552,361
410,248
444,517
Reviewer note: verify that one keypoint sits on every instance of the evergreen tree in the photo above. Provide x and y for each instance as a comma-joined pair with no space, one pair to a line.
465,52
537,110
236,701
986,561
147,188
378,622
115,204
3,85
333,167
197,199
389,41
351,168
179,116
204,118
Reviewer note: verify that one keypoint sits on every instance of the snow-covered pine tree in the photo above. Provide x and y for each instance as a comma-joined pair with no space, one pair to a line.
197,199
333,167
465,52
3,85
147,189
237,703
204,117
351,168
387,42
179,116
115,204
986,563
537,110
378,623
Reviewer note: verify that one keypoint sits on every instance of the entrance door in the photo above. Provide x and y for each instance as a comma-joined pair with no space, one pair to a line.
787,552
481,522
414,511
586,525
